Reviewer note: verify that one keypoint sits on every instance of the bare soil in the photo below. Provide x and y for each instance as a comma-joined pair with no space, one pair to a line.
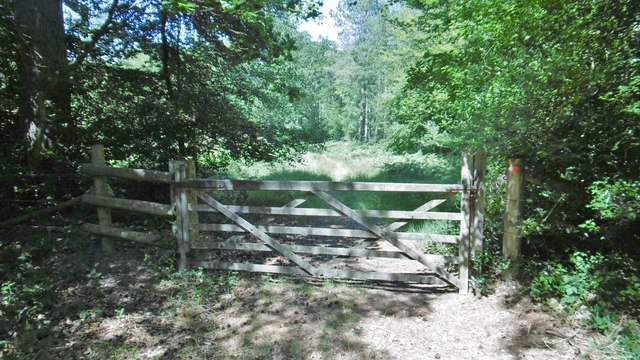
131,306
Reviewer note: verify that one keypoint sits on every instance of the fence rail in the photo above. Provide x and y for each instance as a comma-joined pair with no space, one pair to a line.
381,214
319,186
105,202
129,174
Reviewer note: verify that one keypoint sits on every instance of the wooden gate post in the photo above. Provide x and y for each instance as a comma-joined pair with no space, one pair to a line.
192,200
465,223
477,226
179,198
101,187
513,212
192,213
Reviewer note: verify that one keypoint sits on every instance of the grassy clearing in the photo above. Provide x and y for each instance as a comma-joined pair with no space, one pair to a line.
343,161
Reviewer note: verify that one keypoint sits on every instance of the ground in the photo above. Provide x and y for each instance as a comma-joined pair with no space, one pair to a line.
134,306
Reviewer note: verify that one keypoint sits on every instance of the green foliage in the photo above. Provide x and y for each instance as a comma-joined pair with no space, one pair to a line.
622,338
617,208
618,200
592,280
26,292
572,286
154,80
629,339
424,137
553,83
608,287
90,313
328,283
229,281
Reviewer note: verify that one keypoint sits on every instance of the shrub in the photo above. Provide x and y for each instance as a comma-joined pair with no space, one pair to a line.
591,280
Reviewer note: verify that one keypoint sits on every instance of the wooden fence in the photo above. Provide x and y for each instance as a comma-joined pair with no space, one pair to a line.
327,250
104,201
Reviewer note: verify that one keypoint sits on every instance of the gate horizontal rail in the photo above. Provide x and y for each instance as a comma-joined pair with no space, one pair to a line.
382,214
319,186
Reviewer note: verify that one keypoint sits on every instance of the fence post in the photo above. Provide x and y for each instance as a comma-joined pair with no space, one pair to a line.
513,212
192,199
479,176
179,198
466,222
101,187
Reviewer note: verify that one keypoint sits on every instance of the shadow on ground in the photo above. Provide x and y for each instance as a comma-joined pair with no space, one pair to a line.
132,306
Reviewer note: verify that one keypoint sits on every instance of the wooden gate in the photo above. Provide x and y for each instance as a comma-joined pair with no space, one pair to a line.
356,234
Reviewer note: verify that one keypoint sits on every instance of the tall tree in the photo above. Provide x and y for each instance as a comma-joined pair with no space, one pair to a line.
373,61
553,82
45,100
189,53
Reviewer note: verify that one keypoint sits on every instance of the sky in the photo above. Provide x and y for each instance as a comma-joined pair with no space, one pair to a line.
324,26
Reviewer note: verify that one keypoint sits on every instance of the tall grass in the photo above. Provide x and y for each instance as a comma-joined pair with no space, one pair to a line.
345,161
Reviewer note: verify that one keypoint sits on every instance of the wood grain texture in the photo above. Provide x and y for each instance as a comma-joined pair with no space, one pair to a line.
101,188
258,233
382,214
390,237
121,233
513,210
317,186
129,174
466,172
428,279
179,170
144,207
331,232
319,250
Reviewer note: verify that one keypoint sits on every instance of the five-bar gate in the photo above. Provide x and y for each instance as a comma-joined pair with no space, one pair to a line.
329,247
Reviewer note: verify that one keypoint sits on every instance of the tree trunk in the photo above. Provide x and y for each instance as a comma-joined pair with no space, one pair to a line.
166,75
45,101
361,128
367,129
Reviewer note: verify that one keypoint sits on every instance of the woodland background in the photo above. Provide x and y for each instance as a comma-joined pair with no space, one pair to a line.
556,83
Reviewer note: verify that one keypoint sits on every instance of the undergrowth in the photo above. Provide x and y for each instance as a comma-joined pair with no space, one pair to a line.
607,288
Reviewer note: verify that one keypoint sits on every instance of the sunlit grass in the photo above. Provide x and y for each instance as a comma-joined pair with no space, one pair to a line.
345,161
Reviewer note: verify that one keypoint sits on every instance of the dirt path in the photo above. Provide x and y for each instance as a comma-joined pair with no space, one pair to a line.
452,326
348,323
134,307
131,312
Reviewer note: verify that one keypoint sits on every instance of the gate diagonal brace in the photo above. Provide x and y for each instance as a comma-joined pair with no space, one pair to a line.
388,236
267,219
272,243
389,228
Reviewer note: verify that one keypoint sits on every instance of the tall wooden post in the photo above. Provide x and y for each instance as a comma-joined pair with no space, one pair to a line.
513,211
465,224
101,187
192,199
179,170
479,176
